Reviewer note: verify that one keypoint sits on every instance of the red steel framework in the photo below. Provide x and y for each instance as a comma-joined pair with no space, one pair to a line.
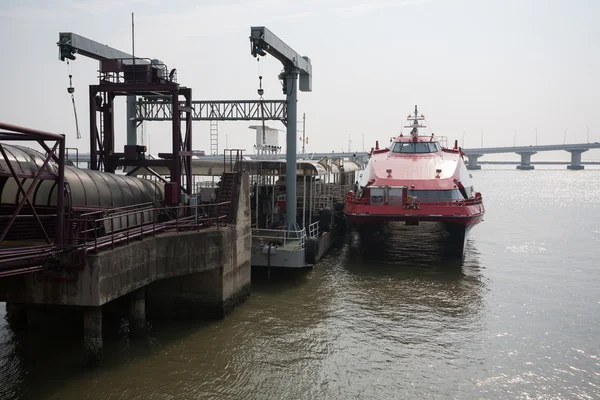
24,259
121,77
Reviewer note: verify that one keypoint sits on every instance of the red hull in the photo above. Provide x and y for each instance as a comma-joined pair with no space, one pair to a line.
416,179
446,213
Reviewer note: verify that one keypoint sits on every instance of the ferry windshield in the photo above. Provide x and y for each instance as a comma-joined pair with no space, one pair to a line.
416,147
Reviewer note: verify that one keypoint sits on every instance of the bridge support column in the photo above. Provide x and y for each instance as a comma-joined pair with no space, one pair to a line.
92,334
137,313
526,160
575,159
472,161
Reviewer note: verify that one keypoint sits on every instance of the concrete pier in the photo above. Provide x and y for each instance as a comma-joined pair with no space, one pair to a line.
525,160
92,334
137,313
473,164
191,274
16,315
576,159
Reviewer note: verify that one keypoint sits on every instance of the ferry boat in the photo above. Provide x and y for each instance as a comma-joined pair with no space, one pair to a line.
417,179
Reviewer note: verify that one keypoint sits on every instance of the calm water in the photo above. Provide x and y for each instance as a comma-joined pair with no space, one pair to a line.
519,318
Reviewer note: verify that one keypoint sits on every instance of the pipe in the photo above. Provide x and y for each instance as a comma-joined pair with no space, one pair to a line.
29,131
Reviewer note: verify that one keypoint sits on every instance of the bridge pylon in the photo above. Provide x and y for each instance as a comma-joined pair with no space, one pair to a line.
526,160
576,159
472,161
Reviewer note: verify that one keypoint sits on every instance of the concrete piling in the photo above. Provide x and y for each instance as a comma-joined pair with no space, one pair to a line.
16,315
137,313
92,334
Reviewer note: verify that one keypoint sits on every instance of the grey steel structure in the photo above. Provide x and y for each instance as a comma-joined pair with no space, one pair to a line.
262,42
296,68
160,109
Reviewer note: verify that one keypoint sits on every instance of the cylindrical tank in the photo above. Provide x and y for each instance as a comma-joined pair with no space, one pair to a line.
85,190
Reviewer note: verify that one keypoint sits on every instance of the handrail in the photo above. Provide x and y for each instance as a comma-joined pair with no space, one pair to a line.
117,209
88,232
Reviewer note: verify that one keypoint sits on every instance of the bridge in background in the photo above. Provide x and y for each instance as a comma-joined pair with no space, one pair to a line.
527,151
472,155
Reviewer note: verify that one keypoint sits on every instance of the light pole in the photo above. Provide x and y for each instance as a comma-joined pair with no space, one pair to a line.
515,139
463,140
536,136
565,137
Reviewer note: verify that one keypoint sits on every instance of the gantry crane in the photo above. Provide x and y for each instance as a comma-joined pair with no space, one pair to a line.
263,41
123,75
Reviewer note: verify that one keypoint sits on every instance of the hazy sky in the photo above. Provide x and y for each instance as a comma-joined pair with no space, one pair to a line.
491,66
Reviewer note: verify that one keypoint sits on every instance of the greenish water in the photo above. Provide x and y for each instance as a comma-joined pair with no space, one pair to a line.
519,318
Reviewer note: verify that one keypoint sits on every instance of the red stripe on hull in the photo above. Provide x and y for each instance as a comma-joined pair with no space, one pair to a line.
447,214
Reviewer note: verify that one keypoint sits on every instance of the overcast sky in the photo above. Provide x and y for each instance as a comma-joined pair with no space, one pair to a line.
471,66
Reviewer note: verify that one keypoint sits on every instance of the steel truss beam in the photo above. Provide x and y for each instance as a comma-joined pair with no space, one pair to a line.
205,110
103,156
9,257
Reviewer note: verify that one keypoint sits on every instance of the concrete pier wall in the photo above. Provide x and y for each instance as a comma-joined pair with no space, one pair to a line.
185,274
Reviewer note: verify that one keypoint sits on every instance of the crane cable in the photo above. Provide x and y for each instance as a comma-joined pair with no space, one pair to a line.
71,90
262,104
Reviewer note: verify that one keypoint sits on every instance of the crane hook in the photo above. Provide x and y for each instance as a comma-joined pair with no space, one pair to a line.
260,89
71,91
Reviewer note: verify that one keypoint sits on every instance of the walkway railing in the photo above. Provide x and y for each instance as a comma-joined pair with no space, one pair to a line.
95,231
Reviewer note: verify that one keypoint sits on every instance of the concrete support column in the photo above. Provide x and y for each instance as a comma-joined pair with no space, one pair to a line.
575,159
92,334
526,160
16,315
473,161
137,313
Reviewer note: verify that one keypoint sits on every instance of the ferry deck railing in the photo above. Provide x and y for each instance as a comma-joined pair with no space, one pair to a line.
291,239
393,201
313,230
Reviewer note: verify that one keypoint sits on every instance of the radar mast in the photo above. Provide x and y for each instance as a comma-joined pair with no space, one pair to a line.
415,123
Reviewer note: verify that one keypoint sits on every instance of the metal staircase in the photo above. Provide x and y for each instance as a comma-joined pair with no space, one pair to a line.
228,193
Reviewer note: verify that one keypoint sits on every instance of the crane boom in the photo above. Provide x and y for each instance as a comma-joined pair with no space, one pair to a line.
70,44
263,41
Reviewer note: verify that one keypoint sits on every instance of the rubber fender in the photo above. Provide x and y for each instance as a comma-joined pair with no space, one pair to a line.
312,251
325,220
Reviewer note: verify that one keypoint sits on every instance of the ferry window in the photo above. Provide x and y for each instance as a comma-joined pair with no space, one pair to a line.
434,147
422,147
418,147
